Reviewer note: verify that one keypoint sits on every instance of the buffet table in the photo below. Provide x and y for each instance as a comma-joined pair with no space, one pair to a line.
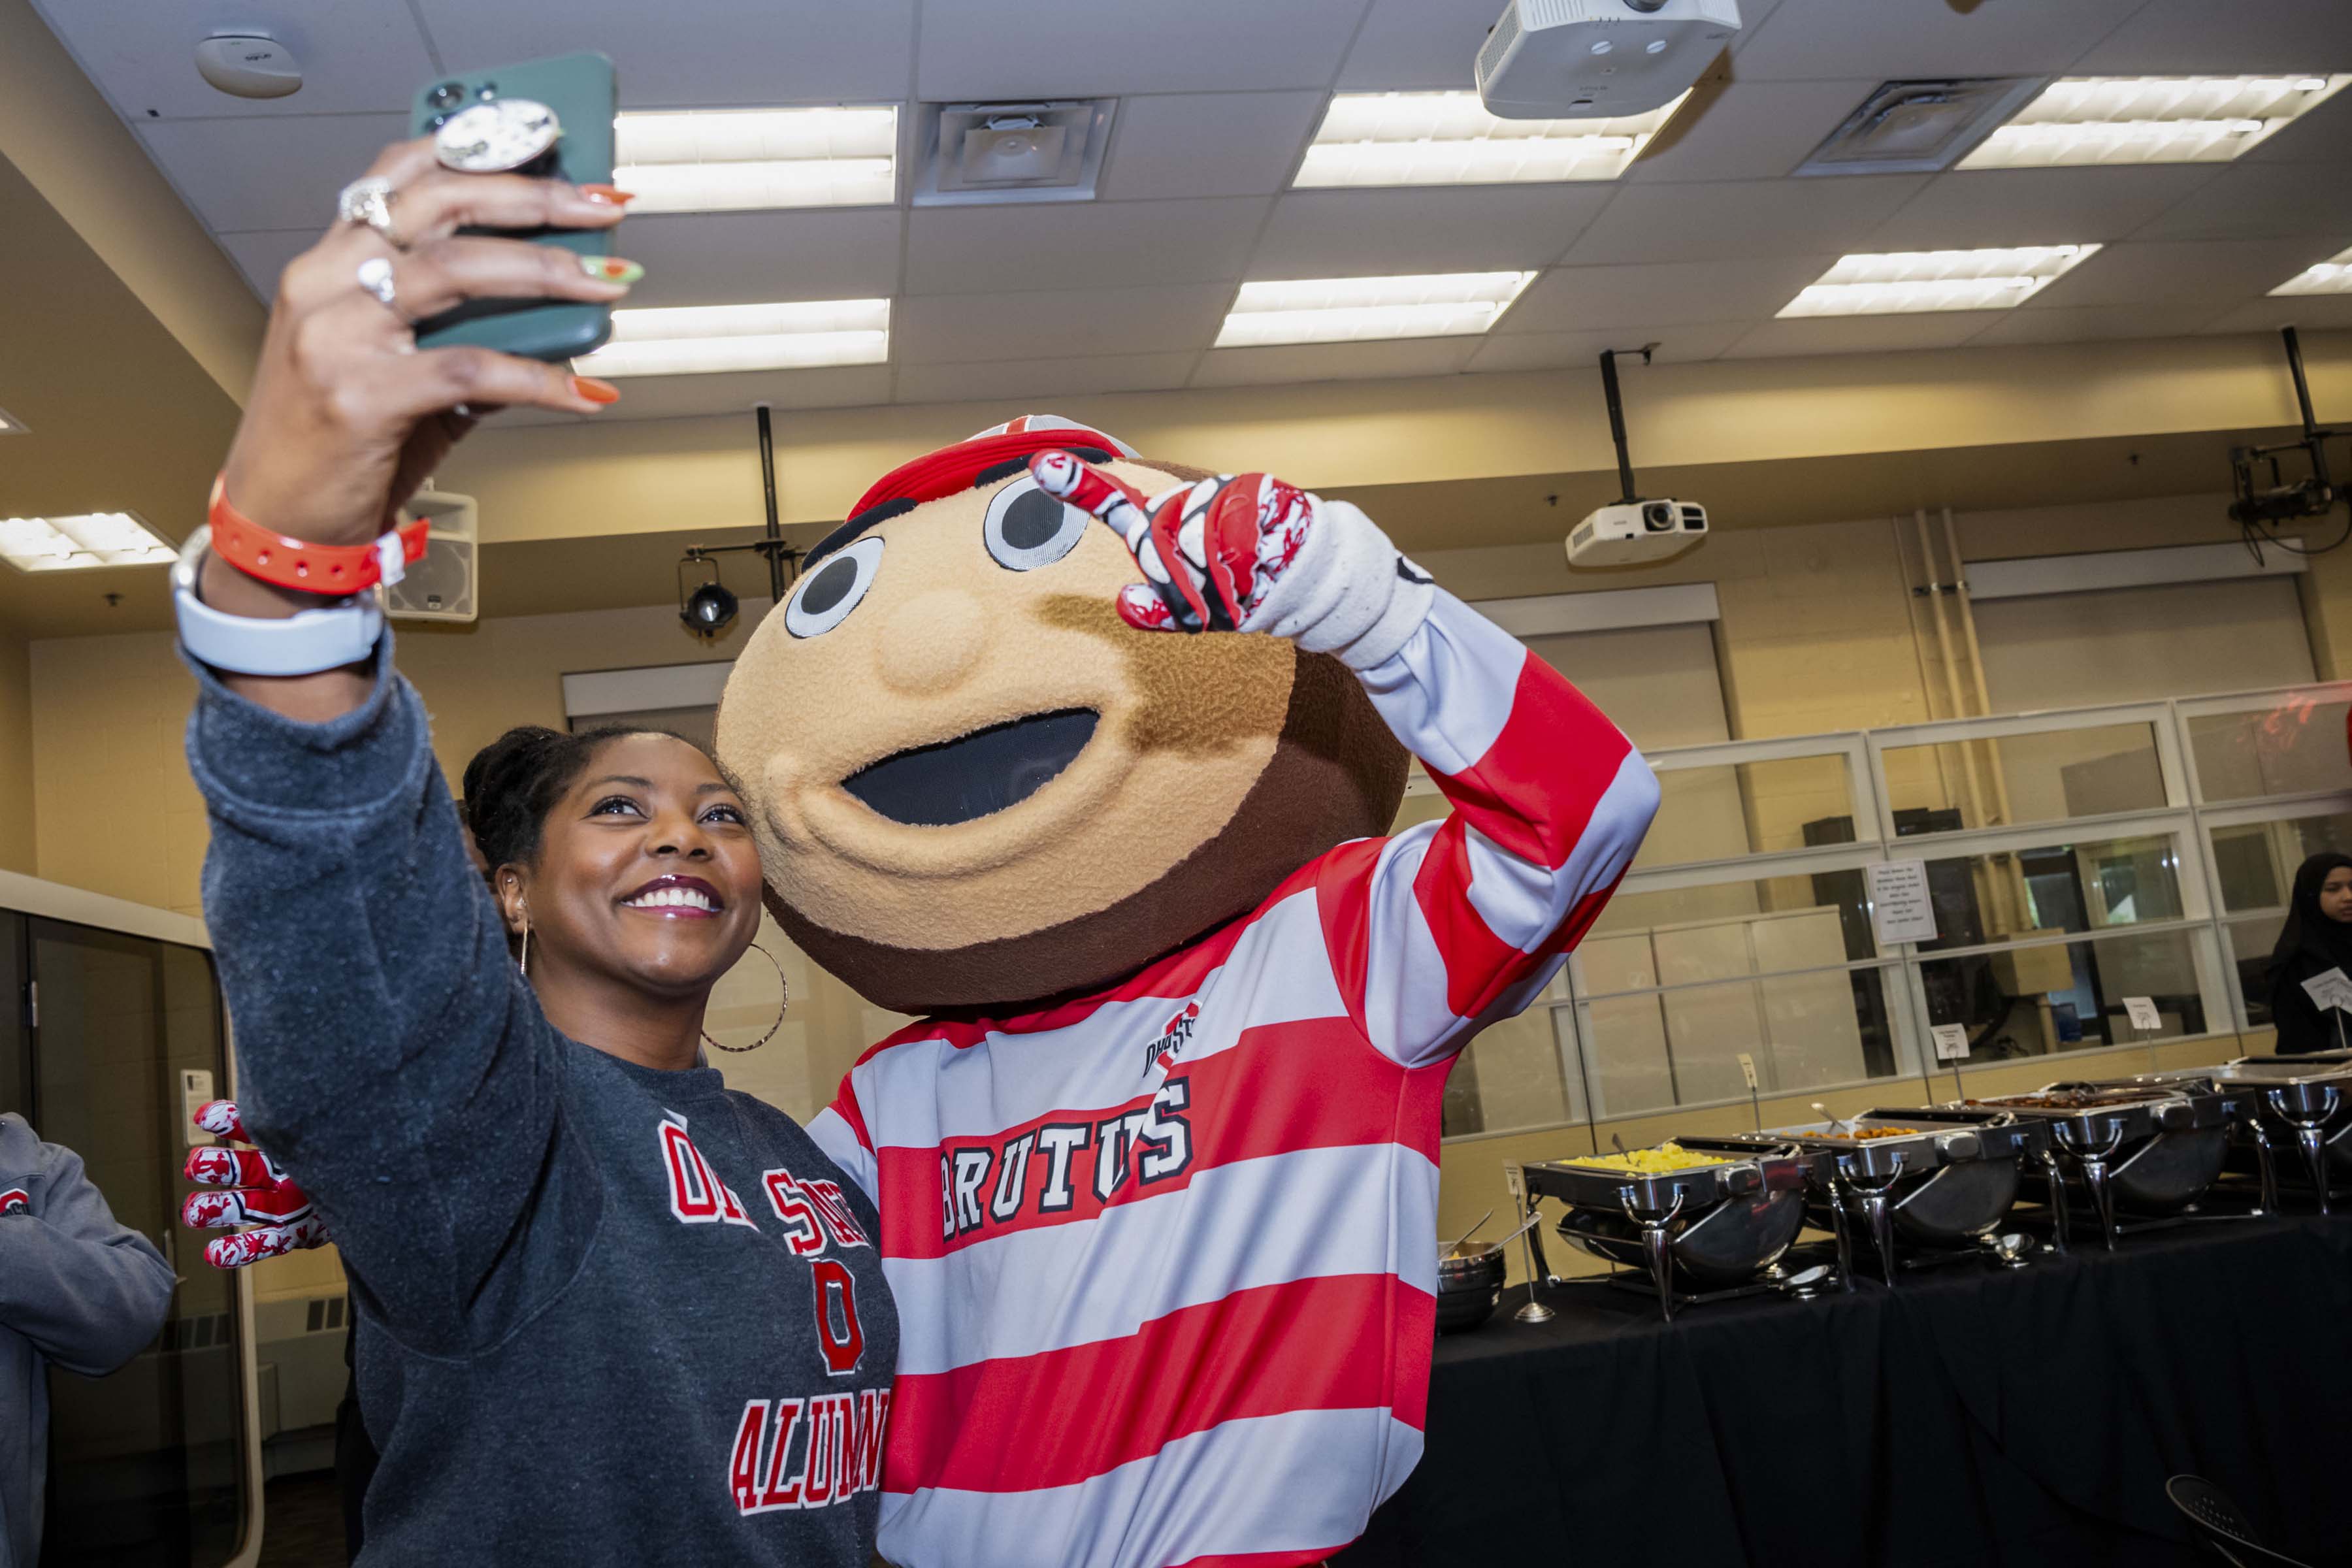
1970,1416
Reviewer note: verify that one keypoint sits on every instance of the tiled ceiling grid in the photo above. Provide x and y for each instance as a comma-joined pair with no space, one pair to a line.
1696,246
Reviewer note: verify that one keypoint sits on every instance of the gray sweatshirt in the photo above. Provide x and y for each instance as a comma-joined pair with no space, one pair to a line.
76,1289
607,1314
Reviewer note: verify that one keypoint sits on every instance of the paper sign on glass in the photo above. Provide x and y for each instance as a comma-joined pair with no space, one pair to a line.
1901,910
2141,1011
2330,988
1951,1041
1748,1070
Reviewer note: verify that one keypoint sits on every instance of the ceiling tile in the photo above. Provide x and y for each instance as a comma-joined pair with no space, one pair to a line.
358,55
1333,361
1405,44
1080,245
1747,131
1026,382
1580,351
1208,143
262,254
269,173
2192,272
1741,219
1377,234
680,396
716,258
1082,48
1669,294
2324,135
2035,206
1888,39
697,53
2174,37
2093,324
2312,312
2246,200
1858,334
1056,323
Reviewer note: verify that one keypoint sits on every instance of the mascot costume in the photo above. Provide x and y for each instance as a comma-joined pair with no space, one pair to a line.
1157,1170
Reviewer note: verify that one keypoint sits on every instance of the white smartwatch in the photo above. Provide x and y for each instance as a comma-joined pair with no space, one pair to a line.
304,643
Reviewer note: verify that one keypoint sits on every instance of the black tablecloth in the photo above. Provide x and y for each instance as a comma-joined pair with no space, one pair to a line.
1968,1417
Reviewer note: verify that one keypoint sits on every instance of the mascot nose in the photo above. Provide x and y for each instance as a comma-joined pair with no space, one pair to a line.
931,640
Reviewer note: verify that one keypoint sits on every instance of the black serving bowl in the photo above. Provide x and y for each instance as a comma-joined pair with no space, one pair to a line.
1469,1281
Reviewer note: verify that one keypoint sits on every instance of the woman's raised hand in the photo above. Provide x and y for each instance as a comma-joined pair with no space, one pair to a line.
347,416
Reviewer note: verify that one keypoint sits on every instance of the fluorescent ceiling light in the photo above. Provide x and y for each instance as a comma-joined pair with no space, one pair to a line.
1358,310
91,539
10,424
2150,119
1901,281
798,335
2333,276
1449,138
734,160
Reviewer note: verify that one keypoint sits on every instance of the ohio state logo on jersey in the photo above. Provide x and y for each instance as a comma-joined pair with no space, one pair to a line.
1055,1168
15,1200
808,1452
1162,1052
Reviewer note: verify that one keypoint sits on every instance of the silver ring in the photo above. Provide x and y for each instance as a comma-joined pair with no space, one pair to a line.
374,275
367,200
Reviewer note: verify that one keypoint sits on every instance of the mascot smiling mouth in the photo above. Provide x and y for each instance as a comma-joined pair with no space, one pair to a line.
973,775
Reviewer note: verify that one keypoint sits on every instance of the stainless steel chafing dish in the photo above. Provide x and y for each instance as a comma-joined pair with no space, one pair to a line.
2308,1098
1705,1226
1942,1184
2153,1149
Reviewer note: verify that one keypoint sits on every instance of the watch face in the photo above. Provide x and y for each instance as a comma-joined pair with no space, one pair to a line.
491,138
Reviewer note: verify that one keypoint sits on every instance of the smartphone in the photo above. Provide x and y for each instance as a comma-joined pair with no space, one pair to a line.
581,90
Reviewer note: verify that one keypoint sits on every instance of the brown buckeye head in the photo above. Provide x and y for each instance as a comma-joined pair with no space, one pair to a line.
973,786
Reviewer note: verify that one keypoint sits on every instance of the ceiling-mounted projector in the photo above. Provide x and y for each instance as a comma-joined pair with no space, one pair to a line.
1599,60
1632,529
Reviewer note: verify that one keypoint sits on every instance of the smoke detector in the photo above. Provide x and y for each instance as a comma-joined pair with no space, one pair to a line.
247,65
978,153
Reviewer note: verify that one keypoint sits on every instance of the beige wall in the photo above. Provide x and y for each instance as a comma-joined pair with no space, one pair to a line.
17,837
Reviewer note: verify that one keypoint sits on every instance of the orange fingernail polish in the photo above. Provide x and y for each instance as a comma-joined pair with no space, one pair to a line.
595,390
612,195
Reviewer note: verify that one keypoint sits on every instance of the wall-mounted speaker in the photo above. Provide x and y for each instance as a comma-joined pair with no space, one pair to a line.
442,586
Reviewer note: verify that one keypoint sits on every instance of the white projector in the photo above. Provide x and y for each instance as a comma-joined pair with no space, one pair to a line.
1599,60
1626,532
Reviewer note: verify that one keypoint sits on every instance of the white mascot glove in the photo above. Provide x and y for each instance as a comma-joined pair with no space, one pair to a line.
1247,552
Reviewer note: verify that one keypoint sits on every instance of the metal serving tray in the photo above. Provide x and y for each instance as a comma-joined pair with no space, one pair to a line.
1692,1188
2153,1147
1716,1226
2306,1098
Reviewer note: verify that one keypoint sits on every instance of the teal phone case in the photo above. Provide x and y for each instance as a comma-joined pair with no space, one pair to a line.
581,90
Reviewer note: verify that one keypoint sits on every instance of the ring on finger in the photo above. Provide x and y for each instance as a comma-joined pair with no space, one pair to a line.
368,200
374,275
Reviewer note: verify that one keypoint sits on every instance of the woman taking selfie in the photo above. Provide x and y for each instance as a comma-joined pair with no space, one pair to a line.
2316,939
610,1311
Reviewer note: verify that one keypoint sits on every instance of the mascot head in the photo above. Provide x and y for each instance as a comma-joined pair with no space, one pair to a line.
975,785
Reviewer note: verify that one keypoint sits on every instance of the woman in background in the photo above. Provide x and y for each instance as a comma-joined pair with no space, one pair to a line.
2317,938
610,1311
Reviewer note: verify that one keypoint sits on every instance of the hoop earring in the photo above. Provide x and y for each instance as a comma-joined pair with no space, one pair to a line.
782,1006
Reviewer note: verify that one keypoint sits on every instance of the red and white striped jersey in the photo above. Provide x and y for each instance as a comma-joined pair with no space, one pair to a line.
1165,1259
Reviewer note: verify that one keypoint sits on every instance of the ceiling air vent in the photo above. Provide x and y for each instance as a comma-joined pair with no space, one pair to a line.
977,153
1919,127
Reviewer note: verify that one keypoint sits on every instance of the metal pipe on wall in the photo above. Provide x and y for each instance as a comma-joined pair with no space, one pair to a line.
1976,660
1976,790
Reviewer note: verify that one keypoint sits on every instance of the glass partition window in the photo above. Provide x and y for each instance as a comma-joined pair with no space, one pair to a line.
1723,811
1512,1079
2056,997
2083,887
2014,780
1653,1050
2255,862
2293,746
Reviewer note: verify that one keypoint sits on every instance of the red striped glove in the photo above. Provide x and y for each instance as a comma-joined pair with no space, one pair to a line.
259,1194
1247,552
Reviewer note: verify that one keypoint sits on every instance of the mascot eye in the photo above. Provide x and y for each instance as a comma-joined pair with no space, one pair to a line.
824,598
1028,529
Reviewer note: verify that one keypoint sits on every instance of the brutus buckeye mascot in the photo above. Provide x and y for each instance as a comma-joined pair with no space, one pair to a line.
1158,1171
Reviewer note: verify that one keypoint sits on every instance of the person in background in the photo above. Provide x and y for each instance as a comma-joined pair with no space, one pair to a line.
76,1289
2317,937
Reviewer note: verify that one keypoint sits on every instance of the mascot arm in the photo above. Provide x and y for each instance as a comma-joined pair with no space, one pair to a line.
1449,925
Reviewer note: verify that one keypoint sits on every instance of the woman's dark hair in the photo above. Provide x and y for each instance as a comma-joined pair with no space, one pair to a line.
515,781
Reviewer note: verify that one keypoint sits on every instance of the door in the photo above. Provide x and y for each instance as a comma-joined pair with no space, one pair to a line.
146,1465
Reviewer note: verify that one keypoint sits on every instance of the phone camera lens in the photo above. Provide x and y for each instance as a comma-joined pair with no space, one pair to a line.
447,96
